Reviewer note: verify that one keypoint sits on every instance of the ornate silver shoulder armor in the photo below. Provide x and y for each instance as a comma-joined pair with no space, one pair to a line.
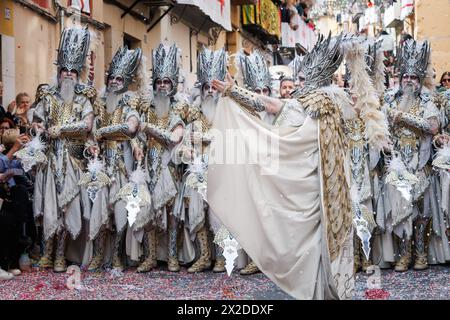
86,90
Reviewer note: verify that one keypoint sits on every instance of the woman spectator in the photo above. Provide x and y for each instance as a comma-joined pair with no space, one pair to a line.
23,114
15,205
444,84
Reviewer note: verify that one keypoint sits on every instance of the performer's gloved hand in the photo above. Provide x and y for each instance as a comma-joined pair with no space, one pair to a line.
38,127
222,86
94,150
441,140
395,116
138,154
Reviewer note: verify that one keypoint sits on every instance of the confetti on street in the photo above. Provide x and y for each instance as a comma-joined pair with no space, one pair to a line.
160,284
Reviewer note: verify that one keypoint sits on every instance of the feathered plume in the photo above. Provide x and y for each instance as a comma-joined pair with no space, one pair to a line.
138,176
377,133
442,159
396,165
95,166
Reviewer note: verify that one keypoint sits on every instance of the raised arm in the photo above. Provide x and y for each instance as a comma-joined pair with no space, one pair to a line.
247,99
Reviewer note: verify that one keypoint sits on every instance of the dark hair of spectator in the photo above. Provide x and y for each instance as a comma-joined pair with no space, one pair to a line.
11,123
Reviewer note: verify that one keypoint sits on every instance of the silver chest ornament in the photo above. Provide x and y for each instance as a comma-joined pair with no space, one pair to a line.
230,247
135,194
197,176
400,178
95,178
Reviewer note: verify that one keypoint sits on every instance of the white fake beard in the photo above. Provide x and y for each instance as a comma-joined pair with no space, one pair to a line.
408,98
162,104
112,100
209,108
67,90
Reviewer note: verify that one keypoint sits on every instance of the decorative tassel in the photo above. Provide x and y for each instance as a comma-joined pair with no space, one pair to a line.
32,153
95,179
363,221
377,133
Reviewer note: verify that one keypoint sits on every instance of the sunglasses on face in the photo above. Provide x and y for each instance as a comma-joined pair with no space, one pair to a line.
117,79
165,82
446,80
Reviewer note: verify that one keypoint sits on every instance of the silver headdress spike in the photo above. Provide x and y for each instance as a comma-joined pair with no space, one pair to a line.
372,56
73,49
211,65
255,71
414,59
125,64
296,66
166,65
323,60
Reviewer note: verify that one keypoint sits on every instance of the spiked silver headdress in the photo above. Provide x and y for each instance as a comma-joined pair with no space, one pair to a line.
372,56
73,49
296,66
125,64
254,71
166,65
323,60
211,65
413,59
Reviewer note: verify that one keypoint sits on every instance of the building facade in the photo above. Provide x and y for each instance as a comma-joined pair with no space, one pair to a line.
30,32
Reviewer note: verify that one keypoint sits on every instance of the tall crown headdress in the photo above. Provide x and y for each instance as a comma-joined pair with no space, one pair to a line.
211,65
166,65
255,71
73,49
323,60
414,58
125,63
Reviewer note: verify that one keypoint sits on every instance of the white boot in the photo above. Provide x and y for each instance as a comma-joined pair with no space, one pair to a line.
15,272
5,275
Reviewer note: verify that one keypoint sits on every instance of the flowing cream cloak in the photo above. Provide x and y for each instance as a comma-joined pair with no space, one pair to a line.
275,209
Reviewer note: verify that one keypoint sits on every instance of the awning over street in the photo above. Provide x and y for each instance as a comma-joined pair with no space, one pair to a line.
217,10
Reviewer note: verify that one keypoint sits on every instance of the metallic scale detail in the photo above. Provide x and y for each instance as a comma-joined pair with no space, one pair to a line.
413,59
211,65
166,65
125,64
246,98
254,70
73,49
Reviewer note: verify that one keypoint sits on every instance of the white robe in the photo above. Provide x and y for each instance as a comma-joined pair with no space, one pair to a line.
273,208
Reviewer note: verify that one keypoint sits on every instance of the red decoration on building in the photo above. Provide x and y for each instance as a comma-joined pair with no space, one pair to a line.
41,3
222,5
